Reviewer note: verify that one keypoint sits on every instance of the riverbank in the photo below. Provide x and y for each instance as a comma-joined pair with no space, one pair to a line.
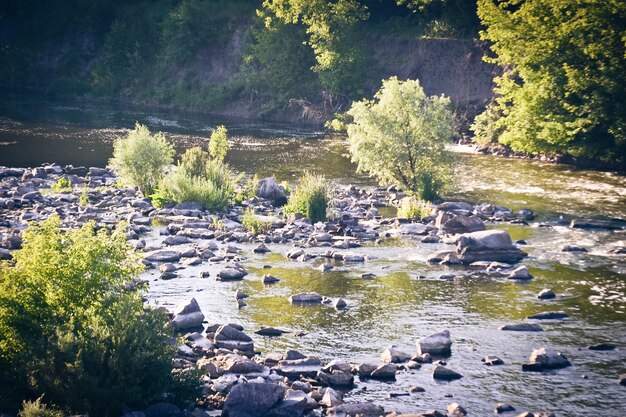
357,257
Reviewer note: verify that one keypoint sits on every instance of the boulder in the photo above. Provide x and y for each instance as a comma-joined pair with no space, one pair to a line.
176,240
438,344
445,374
522,327
306,298
187,316
503,408
542,359
262,248
228,337
336,378
611,224
384,372
546,294
340,304
296,368
394,355
252,400
622,380
354,409
456,410
549,315
521,273
492,360
413,229
488,245
459,224
231,274
331,398
162,256
270,189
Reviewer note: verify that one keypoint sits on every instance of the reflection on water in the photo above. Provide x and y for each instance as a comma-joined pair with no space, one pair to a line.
398,306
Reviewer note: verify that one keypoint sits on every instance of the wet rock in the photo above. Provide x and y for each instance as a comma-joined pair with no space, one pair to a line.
270,331
386,372
438,257
549,315
445,374
168,275
546,294
393,355
353,257
602,347
503,408
438,343
488,245
241,295
455,207
622,380
413,229
252,400
543,359
430,239
520,273
231,274
187,316
270,189
331,398
270,279
340,304
568,248
295,253
354,409
176,240
459,224
162,256
162,409
199,341
296,368
306,298
228,337
168,268
416,389
597,224
262,248
522,327
5,255
336,378
456,410
492,360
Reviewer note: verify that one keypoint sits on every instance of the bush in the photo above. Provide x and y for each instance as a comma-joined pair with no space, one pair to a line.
200,179
401,136
310,198
218,145
410,208
63,185
71,330
140,158
38,409
252,224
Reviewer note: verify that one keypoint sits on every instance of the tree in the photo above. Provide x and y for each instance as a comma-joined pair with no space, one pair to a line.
563,89
70,328
218,145
140,158
400,137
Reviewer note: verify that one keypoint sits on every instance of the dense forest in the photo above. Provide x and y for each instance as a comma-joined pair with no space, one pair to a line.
557,66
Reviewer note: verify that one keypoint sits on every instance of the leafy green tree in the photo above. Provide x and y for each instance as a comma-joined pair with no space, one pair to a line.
400,137
218,145
140,158
71,330
563,89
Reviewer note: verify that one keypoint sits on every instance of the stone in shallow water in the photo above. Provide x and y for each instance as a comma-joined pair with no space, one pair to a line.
522,327
488,245
354,409
549,315
249,399
542,359
231,274
162,256
306,297
445,374
546,294
393,355
438,343
492,360
187,316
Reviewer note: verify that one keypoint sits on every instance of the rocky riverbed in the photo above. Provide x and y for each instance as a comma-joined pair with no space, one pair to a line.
187,250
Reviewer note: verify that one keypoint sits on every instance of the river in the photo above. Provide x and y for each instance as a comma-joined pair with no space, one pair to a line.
398,306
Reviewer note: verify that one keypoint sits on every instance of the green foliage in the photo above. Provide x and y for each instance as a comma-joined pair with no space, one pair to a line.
252,224
83,200
401,137
201,179
563,89
218,145
160,197
310,198
247,190
38,409
411,208
140,158
71,330
62,185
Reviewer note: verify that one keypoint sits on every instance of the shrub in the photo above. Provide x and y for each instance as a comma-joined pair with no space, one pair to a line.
38,409
63,185
310,198
252,224
200,179
400,137
70,330
140,158
218,145
410,208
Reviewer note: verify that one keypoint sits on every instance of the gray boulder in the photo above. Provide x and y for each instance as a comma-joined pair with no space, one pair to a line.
437,344
306,298
354,409
227,337
187,316
542,359
445,374
162,256
459,224
296,368
252,400
488,245
231,274
522,327
270,189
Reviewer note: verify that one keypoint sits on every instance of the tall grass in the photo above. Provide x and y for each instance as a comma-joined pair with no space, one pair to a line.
310,198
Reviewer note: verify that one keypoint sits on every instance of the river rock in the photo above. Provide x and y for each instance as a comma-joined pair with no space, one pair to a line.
492,360
231,274
296,368
162,256
520,273
503,408
252,400
176,240
385,372
262,248
306,298
187,316
459,224
569,248
612,224
435,344
340,304
546,294
336,378
602,347
331,398
162,409
5,255
456,410
393,355
270,331
488,245
622,380
270,279
522,327
542,359
445,374
270,189
549,315
356,409
413,229
228,337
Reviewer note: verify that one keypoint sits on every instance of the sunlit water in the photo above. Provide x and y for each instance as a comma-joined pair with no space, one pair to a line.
396,307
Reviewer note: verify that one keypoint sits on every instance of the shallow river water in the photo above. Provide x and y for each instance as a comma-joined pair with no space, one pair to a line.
399,305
